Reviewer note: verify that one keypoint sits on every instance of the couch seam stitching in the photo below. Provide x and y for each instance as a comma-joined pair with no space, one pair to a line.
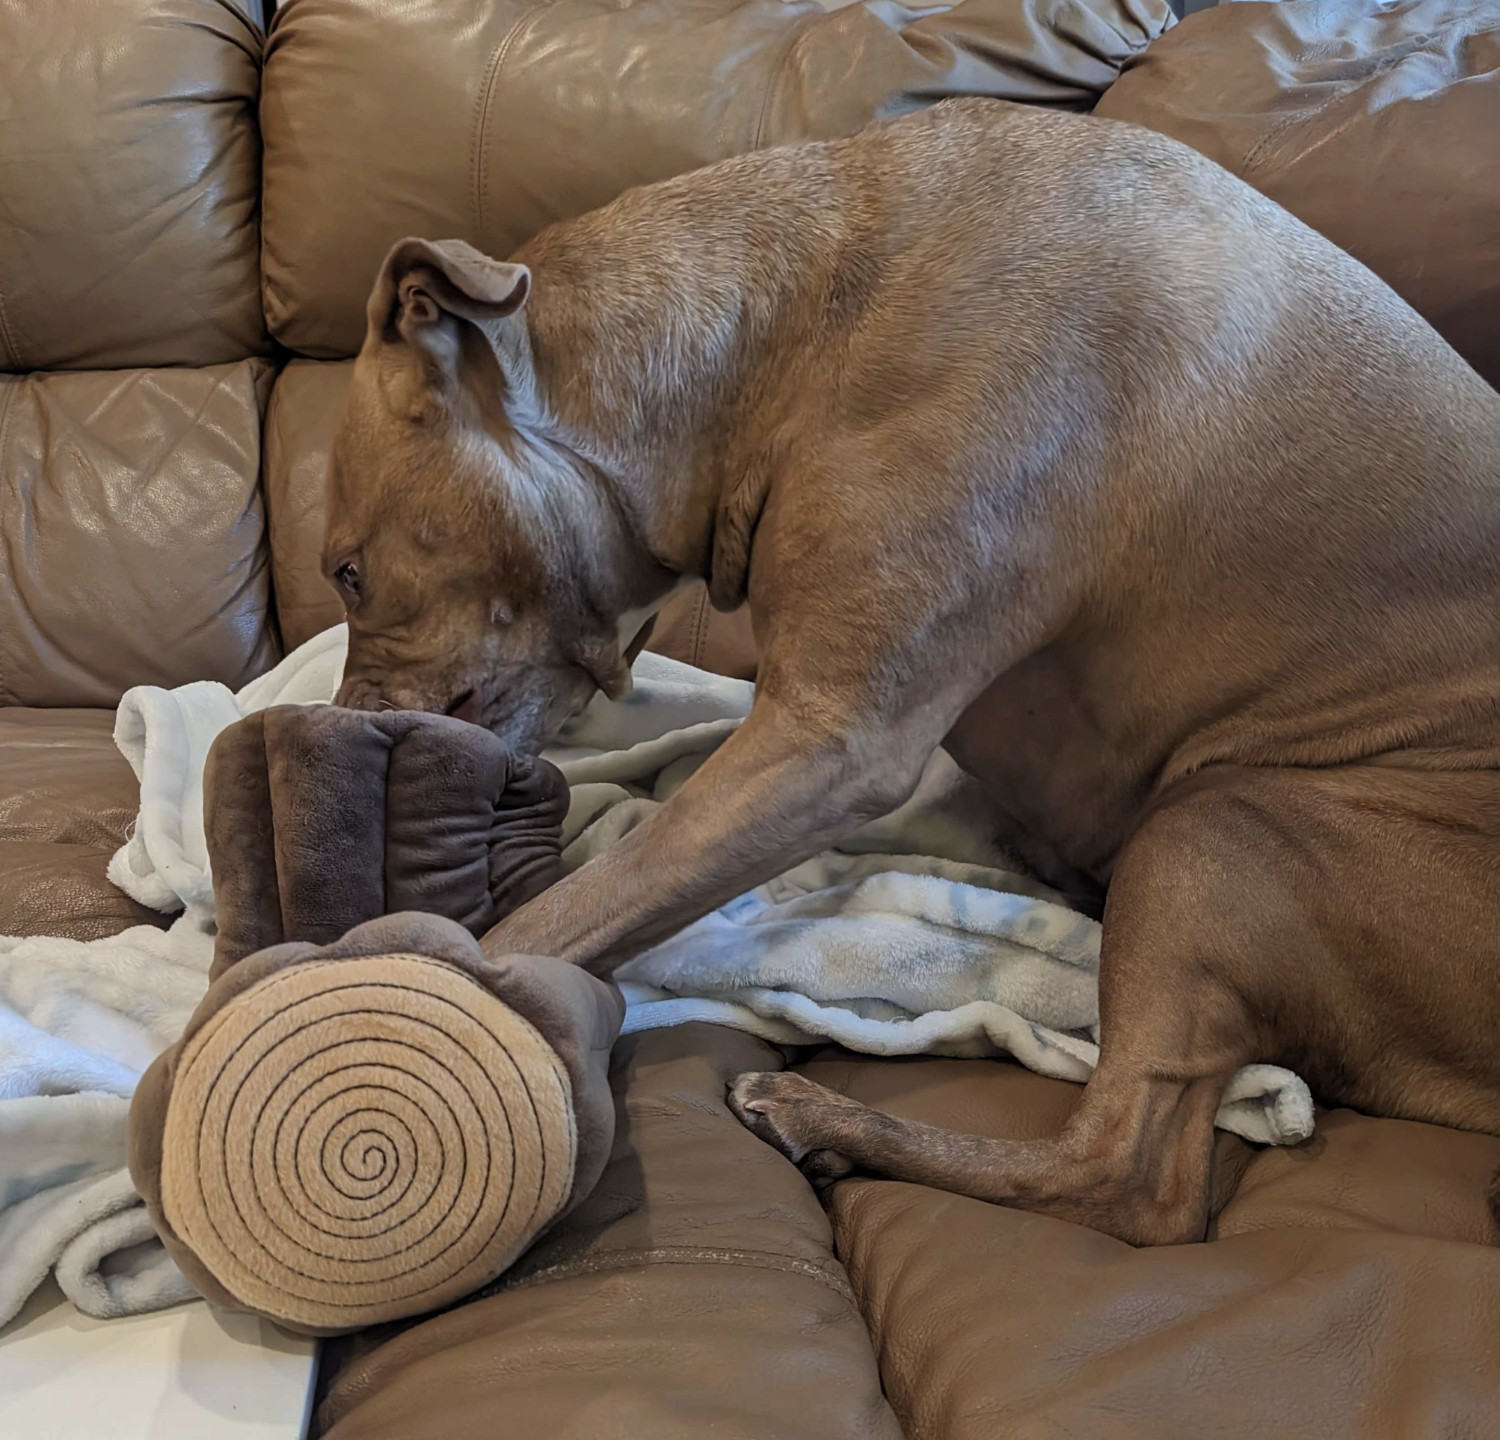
1257,152
700,632
679,1255
777,70
7,401
482,102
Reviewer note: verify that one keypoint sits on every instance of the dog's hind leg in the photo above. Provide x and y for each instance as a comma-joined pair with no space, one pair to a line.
1194,897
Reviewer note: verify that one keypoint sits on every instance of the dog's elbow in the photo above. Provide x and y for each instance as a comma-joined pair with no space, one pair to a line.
872,776
852,773
885,788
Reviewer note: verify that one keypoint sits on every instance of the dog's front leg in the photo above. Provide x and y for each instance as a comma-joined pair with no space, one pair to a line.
776,793
1206,893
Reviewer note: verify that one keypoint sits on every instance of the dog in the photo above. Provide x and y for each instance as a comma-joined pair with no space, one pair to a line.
1032,436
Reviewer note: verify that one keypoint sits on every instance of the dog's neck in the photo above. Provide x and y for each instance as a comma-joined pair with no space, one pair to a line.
646,341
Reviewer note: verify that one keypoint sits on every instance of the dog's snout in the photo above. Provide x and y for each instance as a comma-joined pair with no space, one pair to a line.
357,693
353,695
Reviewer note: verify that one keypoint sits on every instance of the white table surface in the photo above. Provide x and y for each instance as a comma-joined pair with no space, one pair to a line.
189,1373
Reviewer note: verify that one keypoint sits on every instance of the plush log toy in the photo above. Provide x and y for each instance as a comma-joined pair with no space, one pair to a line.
368,1117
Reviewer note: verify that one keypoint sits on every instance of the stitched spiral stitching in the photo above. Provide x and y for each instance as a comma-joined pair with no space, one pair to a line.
353,1141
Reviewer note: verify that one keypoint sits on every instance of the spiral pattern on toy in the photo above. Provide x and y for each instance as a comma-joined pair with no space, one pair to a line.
354,1141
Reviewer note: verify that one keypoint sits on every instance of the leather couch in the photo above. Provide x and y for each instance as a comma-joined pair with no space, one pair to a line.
190,215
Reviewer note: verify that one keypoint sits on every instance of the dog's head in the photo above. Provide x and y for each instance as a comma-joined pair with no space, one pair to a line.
477,555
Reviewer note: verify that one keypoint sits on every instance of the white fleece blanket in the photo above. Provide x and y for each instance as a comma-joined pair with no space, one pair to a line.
910,938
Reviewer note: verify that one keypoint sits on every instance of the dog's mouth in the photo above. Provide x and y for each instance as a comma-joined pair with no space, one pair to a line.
465,706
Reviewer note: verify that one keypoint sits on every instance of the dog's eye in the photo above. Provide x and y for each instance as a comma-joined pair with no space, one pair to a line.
347,576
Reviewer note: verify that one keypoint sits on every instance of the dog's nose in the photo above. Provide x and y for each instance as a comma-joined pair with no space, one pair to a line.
353,695
362,695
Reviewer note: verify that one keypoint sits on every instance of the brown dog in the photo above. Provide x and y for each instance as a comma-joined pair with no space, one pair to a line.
1039,438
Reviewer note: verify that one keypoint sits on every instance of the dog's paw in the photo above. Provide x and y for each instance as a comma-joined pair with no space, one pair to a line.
795,1116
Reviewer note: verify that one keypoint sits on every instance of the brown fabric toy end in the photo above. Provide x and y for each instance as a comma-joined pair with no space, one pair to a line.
354,1141
355,1134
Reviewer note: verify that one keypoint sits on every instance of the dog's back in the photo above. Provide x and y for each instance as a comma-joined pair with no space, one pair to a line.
1255,453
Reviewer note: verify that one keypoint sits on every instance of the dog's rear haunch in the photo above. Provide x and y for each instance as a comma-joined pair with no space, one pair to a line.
1033,436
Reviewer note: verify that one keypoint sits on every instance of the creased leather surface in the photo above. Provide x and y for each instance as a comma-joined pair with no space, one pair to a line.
62,779
691,630
1351,1290
693,1294
1375,124
131,532
484,120
130,170
66,799
49,888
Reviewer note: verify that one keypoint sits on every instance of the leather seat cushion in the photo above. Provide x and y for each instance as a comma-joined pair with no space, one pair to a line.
66,799
694,1293
62,779
1349,1289
48,888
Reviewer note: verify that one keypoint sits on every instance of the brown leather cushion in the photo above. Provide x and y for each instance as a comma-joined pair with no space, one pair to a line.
66,798
131,532
1376,124
299,429
52,889
1350,1292
129,163
484,120
691,630
62,778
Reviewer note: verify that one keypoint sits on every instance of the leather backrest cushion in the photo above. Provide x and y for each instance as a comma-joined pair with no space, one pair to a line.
1378,125
484,120
132,546
130,174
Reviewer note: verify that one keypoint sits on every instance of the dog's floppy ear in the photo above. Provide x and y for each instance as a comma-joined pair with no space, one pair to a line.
422,279
425,286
